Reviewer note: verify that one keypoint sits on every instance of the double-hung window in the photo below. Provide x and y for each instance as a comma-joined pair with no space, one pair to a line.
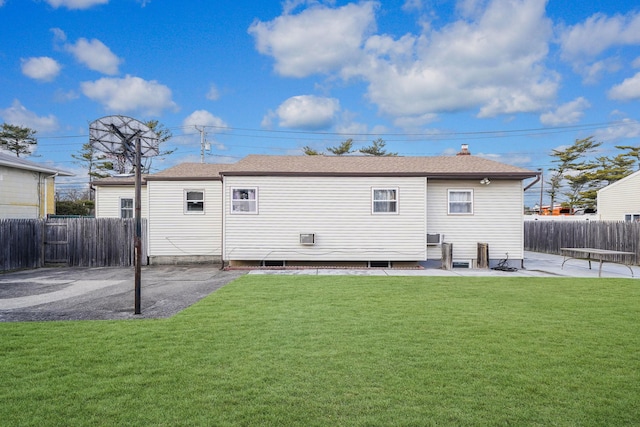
460,202
635,217
194,201
244,200
385,200
126,208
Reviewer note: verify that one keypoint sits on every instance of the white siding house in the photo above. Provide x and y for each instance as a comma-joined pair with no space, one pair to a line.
497,218
27,189
330,210
115,198
339,213
620,201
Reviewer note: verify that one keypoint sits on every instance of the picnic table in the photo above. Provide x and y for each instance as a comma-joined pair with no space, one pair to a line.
595,255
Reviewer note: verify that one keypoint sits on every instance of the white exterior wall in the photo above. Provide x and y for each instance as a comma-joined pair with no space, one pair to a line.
620,198
337,209
108,200
176,234
19,193
497,219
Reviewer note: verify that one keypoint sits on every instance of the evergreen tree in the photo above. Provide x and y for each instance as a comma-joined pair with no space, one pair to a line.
17,139
377,149
310,151
345,147
572,167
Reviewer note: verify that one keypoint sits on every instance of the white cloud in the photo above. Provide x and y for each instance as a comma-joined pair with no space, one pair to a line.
59,36
41,68
308,112
127,94
624,129
95,55
566,114
493,60
598,33
628,90
204,118
18,115
76,4
214,93
317,40
211,123
494,63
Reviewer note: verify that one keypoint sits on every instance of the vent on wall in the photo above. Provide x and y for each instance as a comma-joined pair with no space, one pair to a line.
434,239
307,239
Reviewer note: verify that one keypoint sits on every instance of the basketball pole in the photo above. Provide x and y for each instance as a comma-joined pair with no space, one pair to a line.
138,238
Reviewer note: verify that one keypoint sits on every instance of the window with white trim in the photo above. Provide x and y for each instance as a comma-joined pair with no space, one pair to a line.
126,208
194,201
635,217
384,200
460,202
244,200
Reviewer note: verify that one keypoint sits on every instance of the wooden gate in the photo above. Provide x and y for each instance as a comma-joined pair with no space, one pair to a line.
56,243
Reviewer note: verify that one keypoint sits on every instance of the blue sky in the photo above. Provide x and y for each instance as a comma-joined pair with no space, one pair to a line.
514,79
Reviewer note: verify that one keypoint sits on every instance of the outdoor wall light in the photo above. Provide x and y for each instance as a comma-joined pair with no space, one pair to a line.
485,181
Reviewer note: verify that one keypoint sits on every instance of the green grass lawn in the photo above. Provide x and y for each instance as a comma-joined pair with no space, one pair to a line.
328,351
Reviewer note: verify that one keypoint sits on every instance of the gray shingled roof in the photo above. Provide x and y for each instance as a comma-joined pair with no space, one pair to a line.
191,171
435,167
20,163
256,165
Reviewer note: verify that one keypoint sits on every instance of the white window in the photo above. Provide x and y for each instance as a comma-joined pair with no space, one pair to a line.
126,208
461,202
635,217
385,200
194,201
244,200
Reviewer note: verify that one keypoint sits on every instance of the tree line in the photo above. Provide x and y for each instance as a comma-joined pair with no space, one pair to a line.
577,175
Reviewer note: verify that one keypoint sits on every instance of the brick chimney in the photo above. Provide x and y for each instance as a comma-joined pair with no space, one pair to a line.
464,150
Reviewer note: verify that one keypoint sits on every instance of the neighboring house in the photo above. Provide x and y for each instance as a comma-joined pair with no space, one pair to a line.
620,201
335,210
27,189
115,197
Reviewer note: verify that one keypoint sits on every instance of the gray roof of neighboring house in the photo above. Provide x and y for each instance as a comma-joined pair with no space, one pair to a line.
261,165
20,163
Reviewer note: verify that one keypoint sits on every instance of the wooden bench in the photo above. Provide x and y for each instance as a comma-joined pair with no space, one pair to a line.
595,255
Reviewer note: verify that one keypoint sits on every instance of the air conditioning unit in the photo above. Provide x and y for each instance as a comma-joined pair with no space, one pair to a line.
434,239
307,239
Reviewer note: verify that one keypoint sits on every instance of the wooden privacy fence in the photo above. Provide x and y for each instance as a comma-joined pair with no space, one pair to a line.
76,242
550,236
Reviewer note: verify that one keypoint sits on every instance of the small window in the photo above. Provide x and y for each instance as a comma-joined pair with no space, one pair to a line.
194,201
126,208
385,200
461,202
635,217
244,200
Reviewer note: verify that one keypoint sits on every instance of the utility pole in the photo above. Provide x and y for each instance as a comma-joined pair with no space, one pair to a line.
201,143
541,191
